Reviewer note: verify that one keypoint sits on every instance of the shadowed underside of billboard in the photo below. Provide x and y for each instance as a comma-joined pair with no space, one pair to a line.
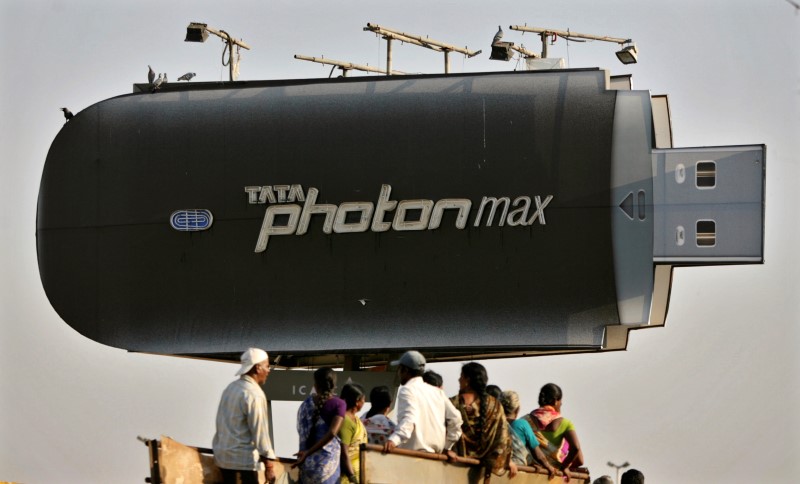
462,215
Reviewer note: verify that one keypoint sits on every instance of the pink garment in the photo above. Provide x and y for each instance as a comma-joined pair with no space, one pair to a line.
545,415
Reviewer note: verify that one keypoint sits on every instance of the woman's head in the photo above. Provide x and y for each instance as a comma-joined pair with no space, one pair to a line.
380,399
510,401
324,380
474,377
549,394
353,395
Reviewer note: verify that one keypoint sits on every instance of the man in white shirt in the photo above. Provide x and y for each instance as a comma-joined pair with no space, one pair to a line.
426,419
242,441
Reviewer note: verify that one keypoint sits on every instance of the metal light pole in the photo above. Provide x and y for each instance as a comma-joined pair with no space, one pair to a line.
618,467
627,55
413,39
198,32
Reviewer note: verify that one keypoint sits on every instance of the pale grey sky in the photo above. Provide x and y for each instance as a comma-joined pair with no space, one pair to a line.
711,397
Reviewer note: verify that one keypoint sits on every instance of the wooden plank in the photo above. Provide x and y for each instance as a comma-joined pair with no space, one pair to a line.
402,466
182,464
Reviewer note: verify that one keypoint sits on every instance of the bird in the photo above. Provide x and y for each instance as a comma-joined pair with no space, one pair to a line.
187,77
158,82
67,113
165,78
151,75
498,35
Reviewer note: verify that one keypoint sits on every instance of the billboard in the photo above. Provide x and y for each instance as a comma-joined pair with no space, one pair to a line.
459,215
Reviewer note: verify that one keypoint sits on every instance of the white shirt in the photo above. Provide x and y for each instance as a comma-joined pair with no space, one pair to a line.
426,419
242,427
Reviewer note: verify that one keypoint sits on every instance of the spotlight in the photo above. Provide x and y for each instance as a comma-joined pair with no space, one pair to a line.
196,32
628,54
502,51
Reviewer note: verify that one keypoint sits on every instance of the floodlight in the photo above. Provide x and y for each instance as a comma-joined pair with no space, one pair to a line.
196,32
502,51
628,54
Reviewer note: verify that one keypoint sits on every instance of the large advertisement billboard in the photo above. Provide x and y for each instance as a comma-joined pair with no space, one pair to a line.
461,214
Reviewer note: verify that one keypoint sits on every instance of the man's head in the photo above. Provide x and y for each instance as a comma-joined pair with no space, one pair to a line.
632,476
411,364
255,364
432,378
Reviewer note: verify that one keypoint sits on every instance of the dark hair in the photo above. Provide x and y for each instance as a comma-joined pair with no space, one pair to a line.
476,374
325,383
351,394
413,372
632,476
325,380
432,378
380,399
549,394
494,391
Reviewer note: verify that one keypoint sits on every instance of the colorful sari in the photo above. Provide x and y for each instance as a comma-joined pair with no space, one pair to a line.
379,428
490,442
552,442
321,467
353,434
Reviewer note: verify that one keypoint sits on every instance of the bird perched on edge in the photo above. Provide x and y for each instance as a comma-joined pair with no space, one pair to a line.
498,35
158,82
187,77
67,114
151,75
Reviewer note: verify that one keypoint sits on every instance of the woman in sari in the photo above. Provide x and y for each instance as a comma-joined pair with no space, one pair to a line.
556,434
485,432
352,433
525,446
318,421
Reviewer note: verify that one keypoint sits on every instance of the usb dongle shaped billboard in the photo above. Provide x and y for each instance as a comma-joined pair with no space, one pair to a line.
511,213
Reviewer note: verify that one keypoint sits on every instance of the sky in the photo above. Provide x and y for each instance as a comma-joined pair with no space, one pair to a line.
710,397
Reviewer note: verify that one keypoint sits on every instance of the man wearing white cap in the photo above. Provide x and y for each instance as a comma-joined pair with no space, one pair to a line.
426,419
242,442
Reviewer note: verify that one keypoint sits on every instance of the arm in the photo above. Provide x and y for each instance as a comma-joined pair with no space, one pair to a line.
575,456
406,416
541,459
258,422
346,434
336,424
533,445
453,421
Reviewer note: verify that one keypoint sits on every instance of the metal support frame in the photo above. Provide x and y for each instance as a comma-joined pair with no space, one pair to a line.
347,66
545,33
391,34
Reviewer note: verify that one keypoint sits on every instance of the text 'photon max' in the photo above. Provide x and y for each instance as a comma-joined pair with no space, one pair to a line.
352,217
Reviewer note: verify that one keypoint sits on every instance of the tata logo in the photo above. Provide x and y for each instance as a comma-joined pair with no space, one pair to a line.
192,220
404,215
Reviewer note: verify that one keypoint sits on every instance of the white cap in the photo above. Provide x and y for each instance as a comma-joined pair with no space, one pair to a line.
251,357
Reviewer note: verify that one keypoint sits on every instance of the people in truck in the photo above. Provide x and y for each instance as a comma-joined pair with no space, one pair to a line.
377,422
556,434
319,419
352,432
525,446
484,429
